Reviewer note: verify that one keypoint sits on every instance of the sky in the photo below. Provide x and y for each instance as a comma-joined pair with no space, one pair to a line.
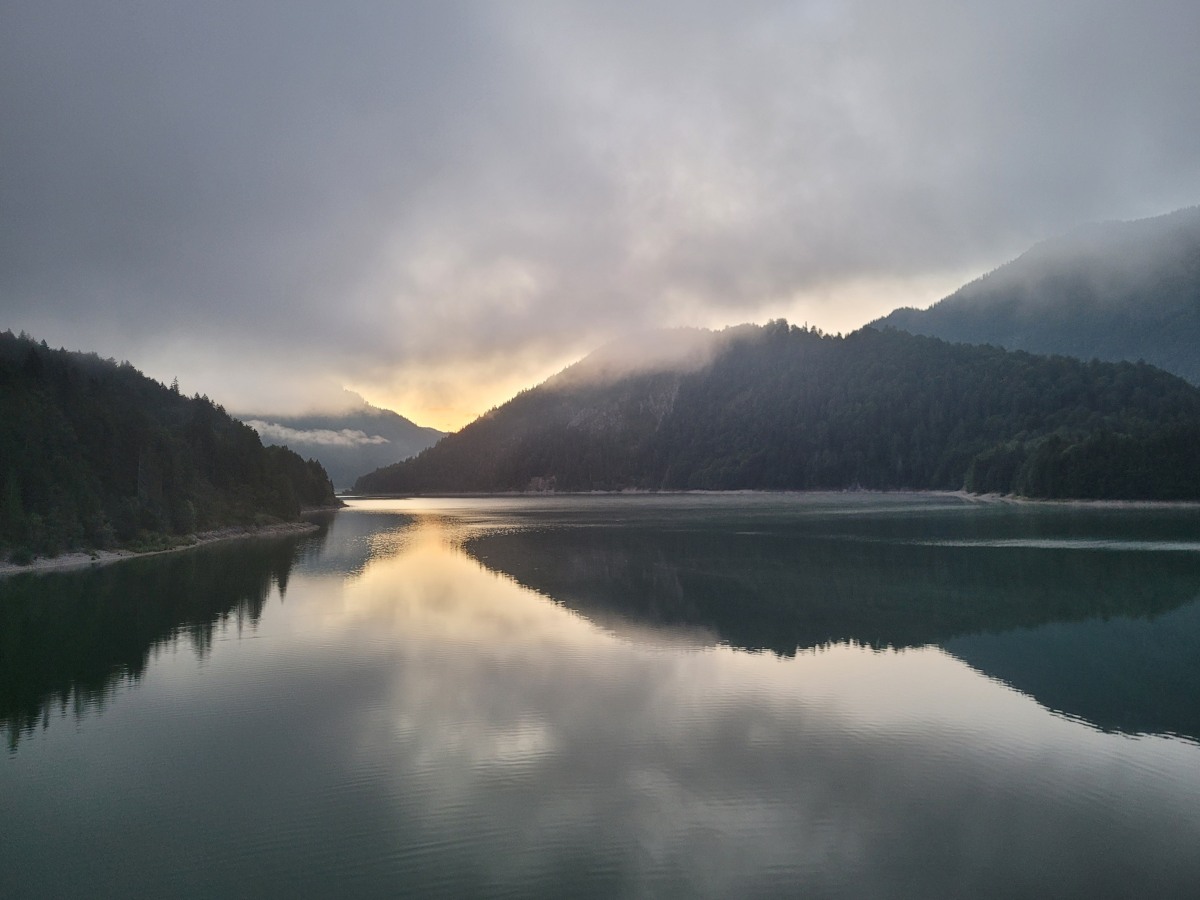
438,204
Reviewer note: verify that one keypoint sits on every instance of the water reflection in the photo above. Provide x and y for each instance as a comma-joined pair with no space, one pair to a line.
529,752
361,538
412,722
1133,674
70,639
1124,665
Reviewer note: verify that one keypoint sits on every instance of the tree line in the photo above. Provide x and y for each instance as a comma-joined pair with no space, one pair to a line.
787,408
93,454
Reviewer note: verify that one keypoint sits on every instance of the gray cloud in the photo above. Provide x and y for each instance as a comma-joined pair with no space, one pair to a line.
391,189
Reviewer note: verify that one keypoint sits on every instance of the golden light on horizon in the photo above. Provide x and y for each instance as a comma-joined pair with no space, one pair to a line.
447,396
452,393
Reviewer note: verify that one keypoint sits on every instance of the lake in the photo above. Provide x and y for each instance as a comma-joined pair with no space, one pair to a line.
825,695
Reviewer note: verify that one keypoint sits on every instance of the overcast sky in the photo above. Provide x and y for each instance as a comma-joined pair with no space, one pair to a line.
437,203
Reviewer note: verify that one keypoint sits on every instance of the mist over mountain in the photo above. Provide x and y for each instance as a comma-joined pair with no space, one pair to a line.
1114,291
348,443
780,407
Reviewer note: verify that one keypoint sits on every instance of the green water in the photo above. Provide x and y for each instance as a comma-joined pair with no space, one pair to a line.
746,695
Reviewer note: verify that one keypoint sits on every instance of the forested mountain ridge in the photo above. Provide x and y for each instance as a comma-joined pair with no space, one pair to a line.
1113,291
347,443
781,407
94,454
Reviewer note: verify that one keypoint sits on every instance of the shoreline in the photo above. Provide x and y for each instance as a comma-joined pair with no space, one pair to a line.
1092,503
998,499
82,559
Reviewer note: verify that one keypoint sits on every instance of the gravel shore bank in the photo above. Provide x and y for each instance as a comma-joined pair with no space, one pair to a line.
80,560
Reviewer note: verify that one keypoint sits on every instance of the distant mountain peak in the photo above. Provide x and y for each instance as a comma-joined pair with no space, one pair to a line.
358,439
1110,291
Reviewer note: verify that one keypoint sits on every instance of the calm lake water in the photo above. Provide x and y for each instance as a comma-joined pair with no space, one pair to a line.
743,695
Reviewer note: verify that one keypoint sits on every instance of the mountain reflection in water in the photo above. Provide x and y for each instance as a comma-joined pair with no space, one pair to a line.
71,639
418,702
1107,635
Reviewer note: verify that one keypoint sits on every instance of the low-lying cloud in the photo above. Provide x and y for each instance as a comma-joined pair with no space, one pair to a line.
274,433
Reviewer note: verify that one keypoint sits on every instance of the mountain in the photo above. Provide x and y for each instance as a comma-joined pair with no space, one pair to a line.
348,443
779,407
95,454
1116,291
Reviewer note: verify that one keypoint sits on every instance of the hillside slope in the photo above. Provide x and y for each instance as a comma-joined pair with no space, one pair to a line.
781,407
1116,291
95,454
